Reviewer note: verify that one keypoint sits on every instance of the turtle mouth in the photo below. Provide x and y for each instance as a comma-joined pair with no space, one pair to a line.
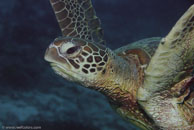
61,70
66,73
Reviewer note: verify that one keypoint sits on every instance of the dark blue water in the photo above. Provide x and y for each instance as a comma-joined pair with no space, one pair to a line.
32,95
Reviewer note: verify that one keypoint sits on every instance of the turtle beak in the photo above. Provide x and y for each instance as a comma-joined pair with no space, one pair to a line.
46,54
51,54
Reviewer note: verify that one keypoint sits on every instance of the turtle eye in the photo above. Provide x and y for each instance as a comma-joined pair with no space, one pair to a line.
73,50
69,49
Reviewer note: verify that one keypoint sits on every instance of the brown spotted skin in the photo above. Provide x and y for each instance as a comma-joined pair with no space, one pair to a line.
89,58
77,18
97,67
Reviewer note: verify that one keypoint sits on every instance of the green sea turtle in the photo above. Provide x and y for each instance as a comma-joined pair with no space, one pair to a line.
147,82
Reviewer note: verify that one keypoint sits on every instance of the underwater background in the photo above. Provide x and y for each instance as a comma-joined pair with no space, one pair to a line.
31,94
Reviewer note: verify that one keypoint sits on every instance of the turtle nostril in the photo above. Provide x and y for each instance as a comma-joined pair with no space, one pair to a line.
72,50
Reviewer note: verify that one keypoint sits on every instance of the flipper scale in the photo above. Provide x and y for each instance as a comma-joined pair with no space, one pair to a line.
77,18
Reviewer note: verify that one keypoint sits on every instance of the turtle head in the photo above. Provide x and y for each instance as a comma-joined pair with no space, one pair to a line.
77,60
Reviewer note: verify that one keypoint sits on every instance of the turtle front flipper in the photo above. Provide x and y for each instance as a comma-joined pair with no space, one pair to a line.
173,61
166,91
77,18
